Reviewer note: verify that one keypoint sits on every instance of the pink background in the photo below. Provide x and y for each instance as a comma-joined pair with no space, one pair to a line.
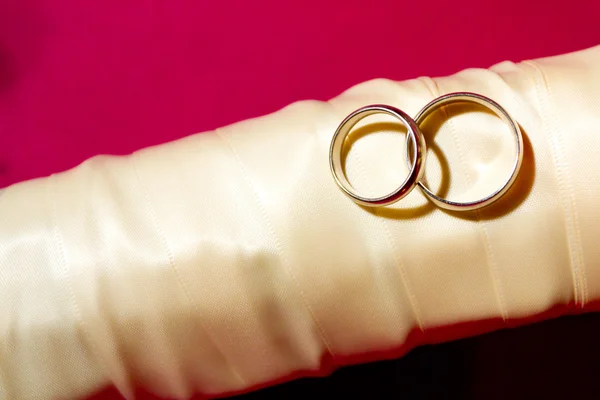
80,78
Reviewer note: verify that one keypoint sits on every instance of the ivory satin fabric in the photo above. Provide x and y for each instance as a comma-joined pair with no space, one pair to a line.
230,259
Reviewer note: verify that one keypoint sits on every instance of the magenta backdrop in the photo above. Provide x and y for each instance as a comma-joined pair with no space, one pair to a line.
80,78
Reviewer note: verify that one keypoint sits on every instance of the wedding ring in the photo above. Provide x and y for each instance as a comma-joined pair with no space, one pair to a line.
504,116
418,155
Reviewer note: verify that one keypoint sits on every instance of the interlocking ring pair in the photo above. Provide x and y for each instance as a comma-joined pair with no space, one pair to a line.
419,149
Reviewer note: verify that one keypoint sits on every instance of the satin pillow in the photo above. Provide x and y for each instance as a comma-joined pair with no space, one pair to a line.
229,260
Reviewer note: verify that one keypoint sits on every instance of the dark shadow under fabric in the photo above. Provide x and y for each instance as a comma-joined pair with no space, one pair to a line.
557,359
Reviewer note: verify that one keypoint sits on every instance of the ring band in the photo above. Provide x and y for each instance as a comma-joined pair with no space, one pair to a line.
504,116
418,146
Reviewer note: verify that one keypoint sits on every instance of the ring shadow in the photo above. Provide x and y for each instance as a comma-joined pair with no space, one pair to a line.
514,197
392,212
